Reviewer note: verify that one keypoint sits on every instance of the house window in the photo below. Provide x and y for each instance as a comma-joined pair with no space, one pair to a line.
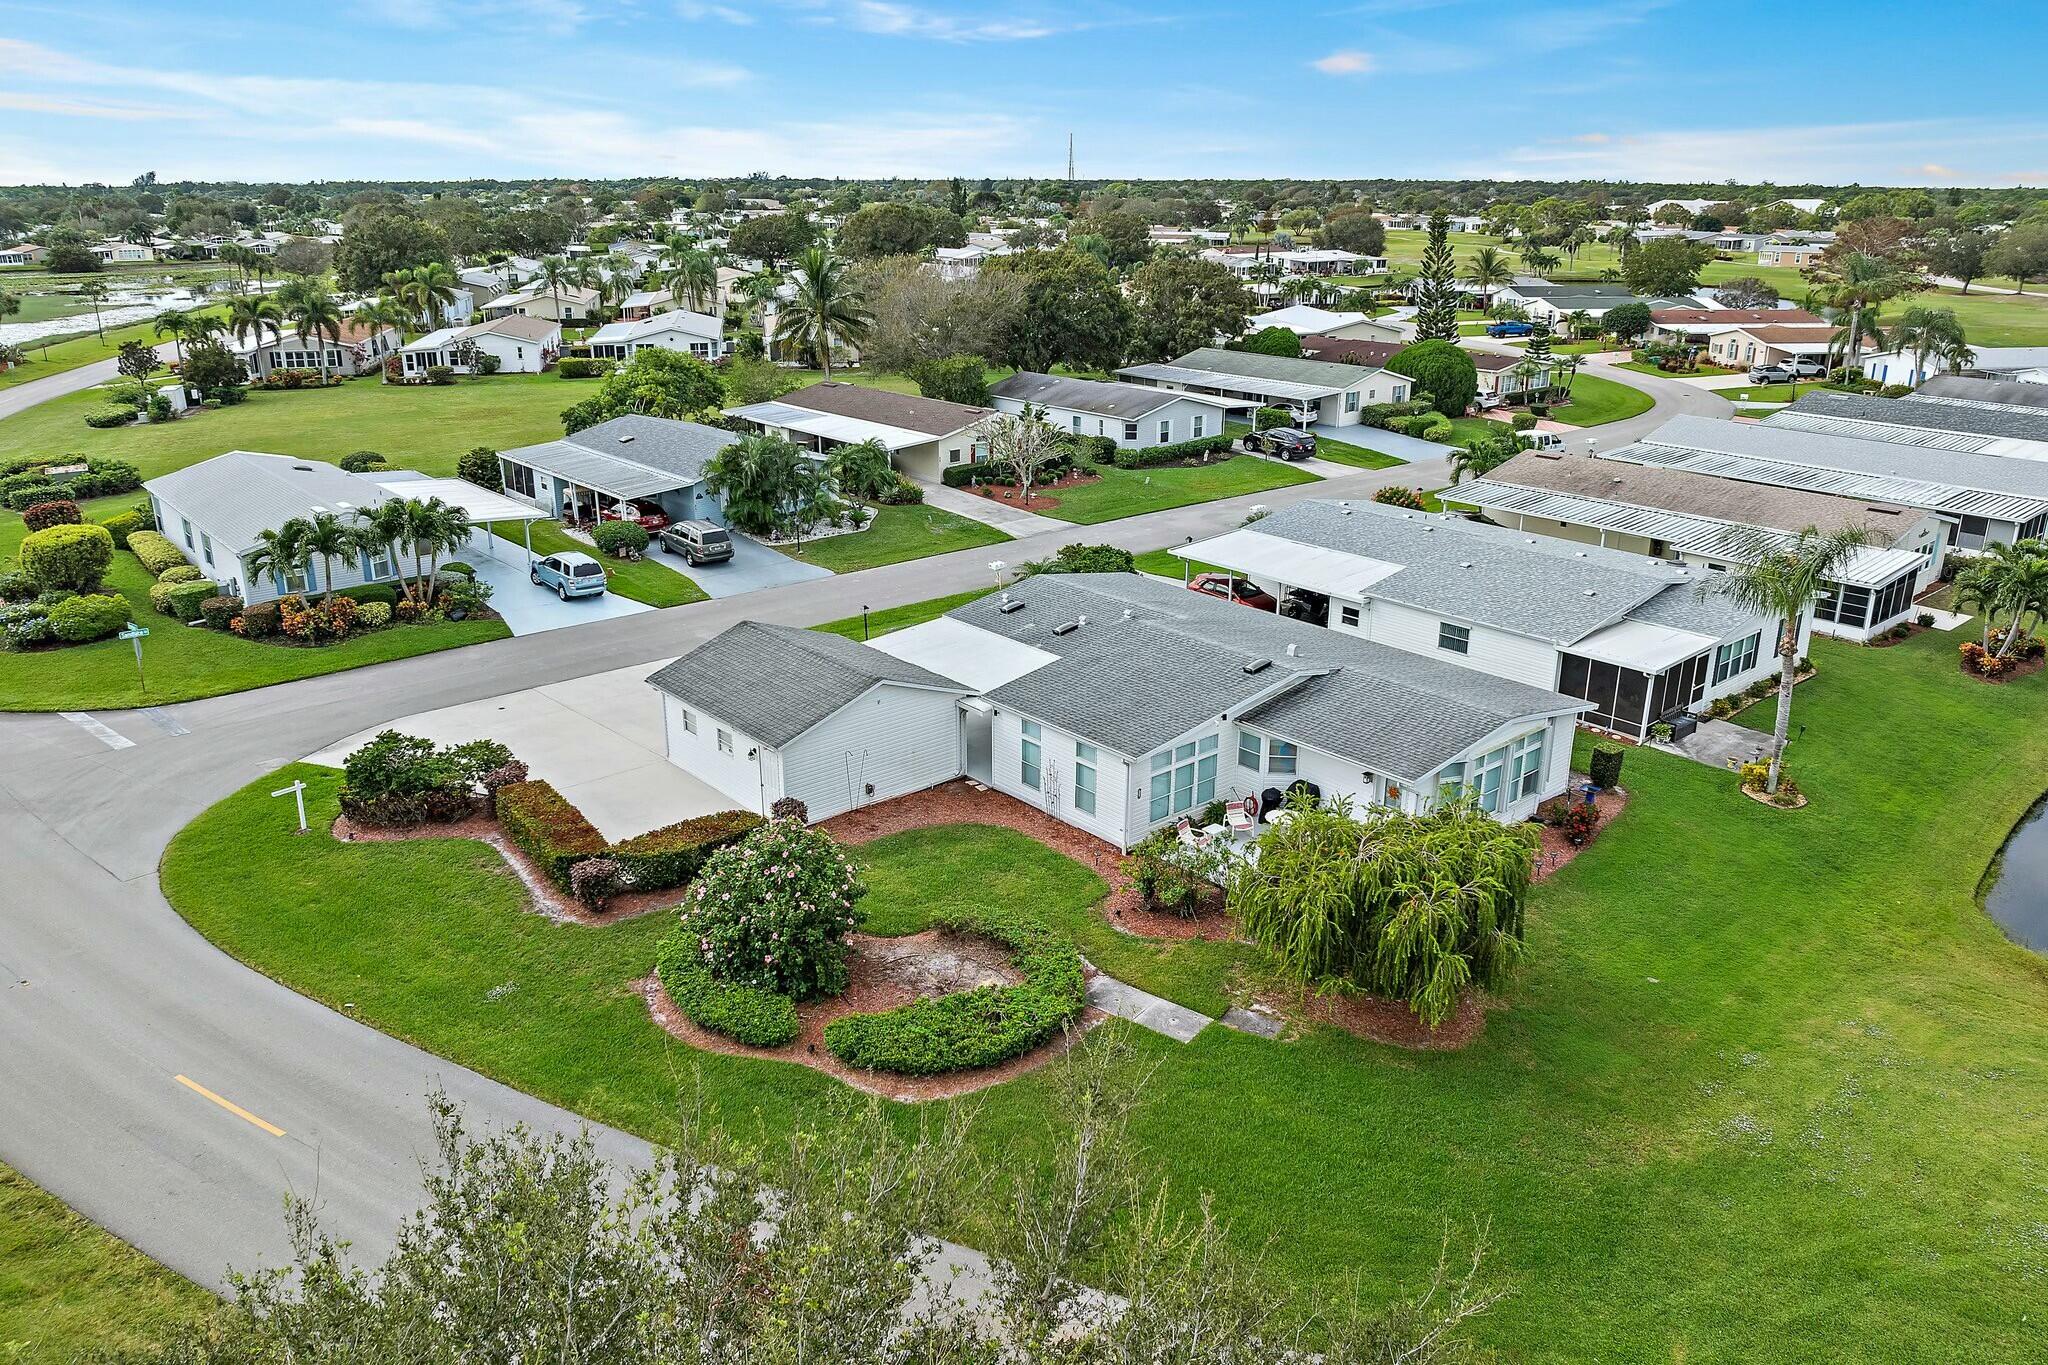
1457,639
1165,430
1031,759
1509,773
1084,778
689,720
1130,431
188,531
1738,657
206,548
299,580
724,741
1348,614
1247,750
1280,756
1075,422
952,457
1400,396
1195,426
1525,766
518,479
1183,777
1351,400
379,563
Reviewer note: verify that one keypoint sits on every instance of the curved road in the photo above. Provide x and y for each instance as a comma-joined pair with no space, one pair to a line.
107,997
23,396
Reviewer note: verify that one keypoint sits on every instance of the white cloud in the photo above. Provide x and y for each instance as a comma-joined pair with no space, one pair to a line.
1346,62
1798,154
696,11
1933,170
1593,139
44,104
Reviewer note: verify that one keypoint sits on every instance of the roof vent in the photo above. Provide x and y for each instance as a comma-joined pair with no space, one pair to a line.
1009,607
303,468
1464,563
624,439
1258,665
1081,620
1293,650
1129,614
1066,627
1591,593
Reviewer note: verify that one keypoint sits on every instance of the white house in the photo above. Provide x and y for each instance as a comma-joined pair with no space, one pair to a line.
1040,683
2011,431
1132,415
124,251
356,349
1314,390
1641,639
523,345
676,330
924,436
23,253
1307,320
1695,519
1798,255
655,461
2013,363
572,303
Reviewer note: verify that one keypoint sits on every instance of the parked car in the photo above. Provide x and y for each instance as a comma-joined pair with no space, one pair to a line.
1770,374
699,542
1289,443
1545,440
650,517
571,574
1232,589
1511,329
1806,367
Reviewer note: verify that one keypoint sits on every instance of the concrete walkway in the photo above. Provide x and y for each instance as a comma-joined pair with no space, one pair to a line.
1177,1022
1011,521
1720,744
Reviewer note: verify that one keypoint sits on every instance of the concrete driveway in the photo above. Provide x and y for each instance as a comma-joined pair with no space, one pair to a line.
753,566
596,738
529,609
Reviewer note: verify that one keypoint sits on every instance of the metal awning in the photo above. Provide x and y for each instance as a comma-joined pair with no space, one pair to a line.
1242,383
1643,646
1951,499
1275,560
480,503
831,426
592,469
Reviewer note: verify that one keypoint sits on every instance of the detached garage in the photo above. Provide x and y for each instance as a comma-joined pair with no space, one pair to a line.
761,712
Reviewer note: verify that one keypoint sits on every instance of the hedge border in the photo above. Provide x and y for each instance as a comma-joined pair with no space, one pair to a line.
548,828
745,1014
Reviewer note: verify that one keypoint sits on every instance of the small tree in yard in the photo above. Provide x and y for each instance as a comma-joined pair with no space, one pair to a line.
1628,323
773,911
137,362
1443,372
479,465
758,480
1023,444
955,379
1783,579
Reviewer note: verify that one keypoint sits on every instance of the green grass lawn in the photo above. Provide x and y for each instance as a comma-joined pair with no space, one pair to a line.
1597,401
1465,430
182,663
414,426
1128,492
78,347
1770,1087
68,1288
652,579
1172,564
1344,452
1770,393
897,618
899,533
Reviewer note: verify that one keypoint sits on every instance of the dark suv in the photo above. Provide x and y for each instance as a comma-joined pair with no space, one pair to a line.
699,542
1289,443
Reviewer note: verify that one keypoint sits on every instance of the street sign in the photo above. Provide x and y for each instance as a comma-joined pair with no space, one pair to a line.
298,790
134,635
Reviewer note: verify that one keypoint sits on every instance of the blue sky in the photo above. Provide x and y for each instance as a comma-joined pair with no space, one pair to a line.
1875,92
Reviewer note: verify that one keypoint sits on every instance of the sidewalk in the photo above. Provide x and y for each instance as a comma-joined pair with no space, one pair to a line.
1014,521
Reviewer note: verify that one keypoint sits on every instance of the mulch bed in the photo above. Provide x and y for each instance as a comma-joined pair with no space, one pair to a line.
964,802
545,896
1763,799
1886,640
1557,849
1013,495
880,977
2026,668
1391,1022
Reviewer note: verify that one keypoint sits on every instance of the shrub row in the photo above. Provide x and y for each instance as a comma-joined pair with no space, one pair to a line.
976,1028
122,525
581,367
745,1014
1176,453
673,855
1384,414
109,415
155,550
547,828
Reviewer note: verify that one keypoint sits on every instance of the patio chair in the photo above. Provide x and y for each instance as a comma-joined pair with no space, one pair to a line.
1239,816
1190,837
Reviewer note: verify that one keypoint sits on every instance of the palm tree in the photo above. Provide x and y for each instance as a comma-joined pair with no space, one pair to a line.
433,286
176,325
1782,578
693,281
384,527
381,312
1858,284
1925,332
250,316
316,317
2008,578
325,534
1538,259
554,273
428,528
827,308
1487,271
279,553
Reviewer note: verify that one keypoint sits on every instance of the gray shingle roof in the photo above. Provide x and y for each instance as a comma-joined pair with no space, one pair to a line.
933,416
1775,440
1553,590
775,682
236,496
1962,388
1287,369
1920,414
629,457
1132,682
1122,401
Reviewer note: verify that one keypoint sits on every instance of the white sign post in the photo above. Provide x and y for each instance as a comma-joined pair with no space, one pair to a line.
134,635
296,789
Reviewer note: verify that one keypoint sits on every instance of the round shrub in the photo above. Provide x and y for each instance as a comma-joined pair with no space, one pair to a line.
1442,370
373,592
95,616
180,573
981,1027
219,611
479,465
620,539
1523,421
74,557
362,461
160,596
745,1014
790,808
773,911
155,550
40,516
1395,495
109,415
258,621
185,598
594,881
440,374
122,525
23,624
371,615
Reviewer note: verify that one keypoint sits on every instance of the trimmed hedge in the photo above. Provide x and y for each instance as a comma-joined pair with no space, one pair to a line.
122,525
218,611
372,592
180,573
673,855
961,475
109,415
77,620
155,550
72,556
976,1028
1176,453
547,828
29,495
581,367
186,598
745,1014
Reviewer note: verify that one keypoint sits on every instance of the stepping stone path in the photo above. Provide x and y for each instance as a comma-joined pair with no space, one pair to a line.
1177,1022
1255,1021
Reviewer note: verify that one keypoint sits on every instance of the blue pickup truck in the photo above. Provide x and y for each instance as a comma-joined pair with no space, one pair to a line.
1511,329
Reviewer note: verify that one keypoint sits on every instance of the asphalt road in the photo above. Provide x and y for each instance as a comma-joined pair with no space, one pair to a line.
108,999
26,395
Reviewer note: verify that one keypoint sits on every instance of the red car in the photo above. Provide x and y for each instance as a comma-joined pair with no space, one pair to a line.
650,517
1230,589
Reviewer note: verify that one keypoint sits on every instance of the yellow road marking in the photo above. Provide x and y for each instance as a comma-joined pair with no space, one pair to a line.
237,1110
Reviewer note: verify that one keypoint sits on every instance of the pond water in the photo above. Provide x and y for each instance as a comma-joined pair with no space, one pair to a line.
2018,900
122,306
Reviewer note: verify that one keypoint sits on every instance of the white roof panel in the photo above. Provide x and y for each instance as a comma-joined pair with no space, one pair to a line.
1642,645
481,503
1336,572
830,425
955,649
1239,383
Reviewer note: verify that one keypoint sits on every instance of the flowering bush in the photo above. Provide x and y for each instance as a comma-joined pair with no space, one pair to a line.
318,622
1571,816
59,512
773,911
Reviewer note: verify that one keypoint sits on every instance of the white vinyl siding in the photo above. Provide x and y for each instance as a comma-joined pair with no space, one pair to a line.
894,739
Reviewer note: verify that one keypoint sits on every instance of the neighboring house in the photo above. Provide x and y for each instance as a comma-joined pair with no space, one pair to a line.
1772,344
1984,498
1708,326
2026,364
360,350
523,345
1987,390
23,253
1348,350
1313,390
1694,207
217,510
924,436
959,262
645,303
1504,374
1305,320
484,283
1688,518
2013,432
1639,638
844,725
631,458
124,251
1040,682
1798,255
1132,415
1552,303
575,304
1329,261
676,330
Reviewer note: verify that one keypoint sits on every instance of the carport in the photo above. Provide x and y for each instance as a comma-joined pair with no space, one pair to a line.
483,507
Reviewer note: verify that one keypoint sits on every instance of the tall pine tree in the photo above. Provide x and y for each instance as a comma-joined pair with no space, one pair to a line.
1436,289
